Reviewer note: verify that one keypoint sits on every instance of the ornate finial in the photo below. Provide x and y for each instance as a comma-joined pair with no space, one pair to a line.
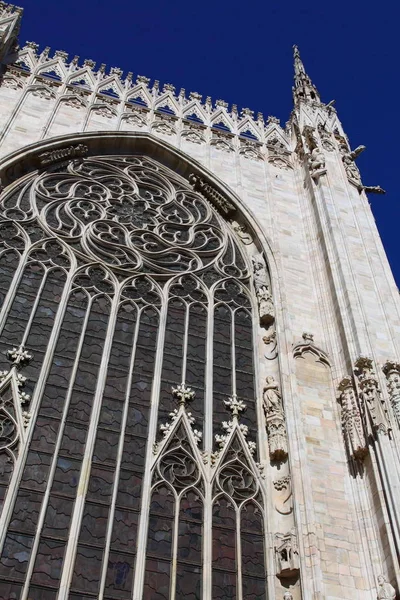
183,394
235,406
19,356
304,89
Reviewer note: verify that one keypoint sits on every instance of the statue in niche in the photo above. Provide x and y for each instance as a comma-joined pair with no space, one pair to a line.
316,162
275,418
272,397
266,308
370,395
287,596
392,372
386,590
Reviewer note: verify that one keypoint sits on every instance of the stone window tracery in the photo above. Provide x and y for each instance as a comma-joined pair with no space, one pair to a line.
125,284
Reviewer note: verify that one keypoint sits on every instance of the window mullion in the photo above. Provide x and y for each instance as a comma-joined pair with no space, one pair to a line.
110,523
36,398
146,484
174,563
185,343
70,553
53,465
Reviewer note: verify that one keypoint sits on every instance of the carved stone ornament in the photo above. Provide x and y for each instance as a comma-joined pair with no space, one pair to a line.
385,590
352,422
250,151
287,596
242,232
278,154
14,419
215,198
275,419
283,500
266,308
392,372
370,395
69,152
193,134
286,555
326,138
136,118
236,407
307,345
183,395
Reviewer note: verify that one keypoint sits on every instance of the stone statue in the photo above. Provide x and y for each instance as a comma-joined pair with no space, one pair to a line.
265,303
287,595
316,162
275,417
272,397
370,395
386,590
350,167
392,372
260,276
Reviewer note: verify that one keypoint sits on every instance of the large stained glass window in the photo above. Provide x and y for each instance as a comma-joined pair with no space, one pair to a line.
127,396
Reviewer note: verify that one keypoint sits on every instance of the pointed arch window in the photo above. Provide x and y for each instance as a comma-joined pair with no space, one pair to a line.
128,289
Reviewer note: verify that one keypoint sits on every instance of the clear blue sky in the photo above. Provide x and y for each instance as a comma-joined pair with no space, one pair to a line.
241,52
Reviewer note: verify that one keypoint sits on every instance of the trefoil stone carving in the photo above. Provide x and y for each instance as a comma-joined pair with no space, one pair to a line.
266,308
370,395
287,561
352,421
275,419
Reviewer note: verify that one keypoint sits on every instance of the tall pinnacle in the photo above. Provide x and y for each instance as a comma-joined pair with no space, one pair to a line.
304,89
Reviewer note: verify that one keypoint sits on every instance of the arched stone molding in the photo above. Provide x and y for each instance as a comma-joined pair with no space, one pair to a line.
52,156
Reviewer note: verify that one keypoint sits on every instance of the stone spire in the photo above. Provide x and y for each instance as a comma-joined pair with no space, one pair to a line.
304,89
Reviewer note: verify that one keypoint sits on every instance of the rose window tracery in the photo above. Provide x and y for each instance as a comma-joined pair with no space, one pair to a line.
126,283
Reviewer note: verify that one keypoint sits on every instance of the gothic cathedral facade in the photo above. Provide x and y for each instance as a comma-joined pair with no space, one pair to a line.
199,345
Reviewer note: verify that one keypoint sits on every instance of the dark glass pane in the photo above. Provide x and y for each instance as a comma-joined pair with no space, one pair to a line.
188,582
190,528
100,484
26,511
66,477
57,519
124,530
87,569
157,580
15,556
94,524
10,591
224,550
48,563
39,593
36,470
253,588
119,576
